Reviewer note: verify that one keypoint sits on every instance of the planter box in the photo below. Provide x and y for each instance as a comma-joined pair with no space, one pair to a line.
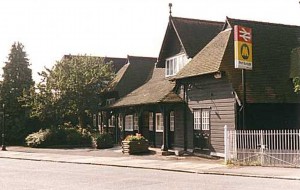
135,147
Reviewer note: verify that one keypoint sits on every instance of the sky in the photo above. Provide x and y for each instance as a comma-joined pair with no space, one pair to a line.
50,29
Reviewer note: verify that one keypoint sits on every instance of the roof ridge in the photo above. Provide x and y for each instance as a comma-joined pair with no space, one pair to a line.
133,56
263,22
201,20
97,56
114,57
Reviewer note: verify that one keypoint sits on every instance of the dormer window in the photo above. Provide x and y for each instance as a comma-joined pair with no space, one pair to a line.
110,101
175,64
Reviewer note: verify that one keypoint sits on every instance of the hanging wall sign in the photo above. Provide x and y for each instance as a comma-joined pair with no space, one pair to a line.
243,47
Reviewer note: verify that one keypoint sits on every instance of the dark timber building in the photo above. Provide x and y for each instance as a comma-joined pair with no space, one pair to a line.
194,90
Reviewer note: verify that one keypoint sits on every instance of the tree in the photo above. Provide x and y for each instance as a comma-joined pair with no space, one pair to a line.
17,79
71,89
296,82
295,68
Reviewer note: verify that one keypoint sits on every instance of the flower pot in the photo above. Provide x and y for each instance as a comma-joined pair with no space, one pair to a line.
135,147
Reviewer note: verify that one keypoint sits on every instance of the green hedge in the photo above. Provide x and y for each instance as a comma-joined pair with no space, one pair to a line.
104,140
59,137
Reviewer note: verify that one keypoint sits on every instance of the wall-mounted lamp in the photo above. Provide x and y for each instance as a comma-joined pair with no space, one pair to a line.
218,75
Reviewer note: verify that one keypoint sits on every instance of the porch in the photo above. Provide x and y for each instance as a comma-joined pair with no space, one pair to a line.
156,122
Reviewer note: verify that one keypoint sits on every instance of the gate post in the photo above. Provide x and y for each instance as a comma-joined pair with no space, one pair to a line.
225,144
262,147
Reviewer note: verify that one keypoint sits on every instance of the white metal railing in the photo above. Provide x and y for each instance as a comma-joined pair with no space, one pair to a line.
263,147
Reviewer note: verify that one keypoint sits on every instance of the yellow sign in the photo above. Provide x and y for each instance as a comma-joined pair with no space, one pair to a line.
243,47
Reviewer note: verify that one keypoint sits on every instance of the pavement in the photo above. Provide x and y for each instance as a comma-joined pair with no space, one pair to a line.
154,160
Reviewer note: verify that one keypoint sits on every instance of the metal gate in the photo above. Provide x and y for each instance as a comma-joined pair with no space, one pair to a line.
263,147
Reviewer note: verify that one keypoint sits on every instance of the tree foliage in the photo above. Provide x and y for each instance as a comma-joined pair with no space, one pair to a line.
296,82
17,79
71,89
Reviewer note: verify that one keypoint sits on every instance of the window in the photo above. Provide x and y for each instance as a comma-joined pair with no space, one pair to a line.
94,120
172,121
120,118
159,123
136,122
175,64
111,121
110,101
150,121
197,120
202,119
205,119
129,123
99,120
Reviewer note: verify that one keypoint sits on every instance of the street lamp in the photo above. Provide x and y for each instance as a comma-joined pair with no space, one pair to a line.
3,128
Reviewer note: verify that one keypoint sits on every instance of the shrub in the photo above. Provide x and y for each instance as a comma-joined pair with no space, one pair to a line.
15,134
104,140
59,137
86,136
94,137
73,137
38,139
137,137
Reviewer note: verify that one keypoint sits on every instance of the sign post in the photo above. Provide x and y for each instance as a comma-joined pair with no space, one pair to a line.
243,47
243,58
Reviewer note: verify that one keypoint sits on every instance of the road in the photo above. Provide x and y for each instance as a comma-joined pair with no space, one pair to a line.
24,174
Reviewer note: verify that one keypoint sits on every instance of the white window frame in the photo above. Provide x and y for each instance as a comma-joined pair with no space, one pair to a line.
94,120
110,101
150,121
205,119
135,122
120,121
172,121
111,121
159,122
175,64
129,123
197,119
202,119
99,121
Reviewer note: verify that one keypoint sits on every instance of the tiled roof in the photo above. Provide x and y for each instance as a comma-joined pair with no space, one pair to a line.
195,34
118,77
157,90
117,63
269,81
132,75
191,34
209,59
